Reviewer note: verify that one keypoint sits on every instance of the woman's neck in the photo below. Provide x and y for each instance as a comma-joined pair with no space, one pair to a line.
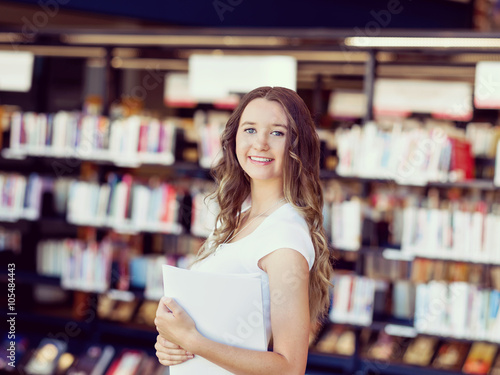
264,195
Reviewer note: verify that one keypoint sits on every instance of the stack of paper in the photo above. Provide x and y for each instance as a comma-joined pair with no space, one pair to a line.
225,308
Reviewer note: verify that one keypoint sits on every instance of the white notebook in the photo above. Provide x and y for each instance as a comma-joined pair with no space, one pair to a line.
226,308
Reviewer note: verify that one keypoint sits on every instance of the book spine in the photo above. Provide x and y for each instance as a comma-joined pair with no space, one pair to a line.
15,130
497,165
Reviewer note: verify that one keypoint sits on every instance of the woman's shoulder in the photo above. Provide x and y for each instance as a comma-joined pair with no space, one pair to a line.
288,229
288,221
289,215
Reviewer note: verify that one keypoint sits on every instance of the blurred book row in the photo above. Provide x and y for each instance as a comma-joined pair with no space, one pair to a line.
111,263
53,357
409,152
445,298
458,310
434,226
128,141
10,240
413,153
124,203
381,349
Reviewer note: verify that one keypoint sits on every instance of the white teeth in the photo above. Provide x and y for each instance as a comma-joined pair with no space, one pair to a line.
259,159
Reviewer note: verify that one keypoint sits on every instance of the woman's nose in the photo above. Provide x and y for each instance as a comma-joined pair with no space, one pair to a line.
261,142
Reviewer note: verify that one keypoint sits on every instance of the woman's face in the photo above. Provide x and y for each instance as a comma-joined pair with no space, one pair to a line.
261,140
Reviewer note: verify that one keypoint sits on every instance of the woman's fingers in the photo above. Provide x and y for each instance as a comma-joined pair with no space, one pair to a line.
167,344
170,354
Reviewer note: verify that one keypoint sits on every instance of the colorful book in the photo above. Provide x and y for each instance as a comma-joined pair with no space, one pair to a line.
93,361
420,351
480,358
45,358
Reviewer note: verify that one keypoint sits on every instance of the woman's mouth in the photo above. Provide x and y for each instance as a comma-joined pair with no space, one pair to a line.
260,160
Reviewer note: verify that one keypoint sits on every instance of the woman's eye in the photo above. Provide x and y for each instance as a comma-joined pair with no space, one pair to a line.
249,130
278,133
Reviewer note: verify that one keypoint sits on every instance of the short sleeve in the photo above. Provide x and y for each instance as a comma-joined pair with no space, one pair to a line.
289,233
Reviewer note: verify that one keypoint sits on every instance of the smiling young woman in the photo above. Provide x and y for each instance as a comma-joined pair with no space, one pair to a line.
271,156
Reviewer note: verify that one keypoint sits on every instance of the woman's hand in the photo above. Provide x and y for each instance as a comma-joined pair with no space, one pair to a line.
170,354
174,324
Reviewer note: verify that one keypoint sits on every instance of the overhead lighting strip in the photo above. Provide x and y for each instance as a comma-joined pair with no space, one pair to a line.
174,40
418,42
323,56
11,38
59,51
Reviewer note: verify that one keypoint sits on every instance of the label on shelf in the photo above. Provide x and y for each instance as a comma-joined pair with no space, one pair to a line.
216,77
121,295
176,91
10,153
487,85
393,254
398,330
16,70
451,100
347,104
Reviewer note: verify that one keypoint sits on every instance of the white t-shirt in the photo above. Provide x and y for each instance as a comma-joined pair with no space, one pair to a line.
283,228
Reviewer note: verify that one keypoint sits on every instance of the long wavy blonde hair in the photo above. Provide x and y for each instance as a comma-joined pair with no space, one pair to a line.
301,186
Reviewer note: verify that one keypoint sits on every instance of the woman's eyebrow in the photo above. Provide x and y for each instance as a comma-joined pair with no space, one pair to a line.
281,125
253,123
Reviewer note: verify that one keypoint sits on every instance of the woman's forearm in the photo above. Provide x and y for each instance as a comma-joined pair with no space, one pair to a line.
244,361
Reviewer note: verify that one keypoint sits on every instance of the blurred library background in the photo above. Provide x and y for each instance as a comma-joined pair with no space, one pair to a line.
110,116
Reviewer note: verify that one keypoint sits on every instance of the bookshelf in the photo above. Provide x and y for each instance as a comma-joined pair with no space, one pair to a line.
130,334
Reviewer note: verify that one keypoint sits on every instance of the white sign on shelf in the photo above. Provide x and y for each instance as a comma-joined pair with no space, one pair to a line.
399,330
216,77
177,91
347,104
16,71
487,85
449,100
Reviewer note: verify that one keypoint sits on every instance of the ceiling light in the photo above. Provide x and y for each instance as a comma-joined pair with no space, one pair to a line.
158,64
425,71
174,40
333,69
125,52
11,38
414,42
474,57
323,56
59,51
